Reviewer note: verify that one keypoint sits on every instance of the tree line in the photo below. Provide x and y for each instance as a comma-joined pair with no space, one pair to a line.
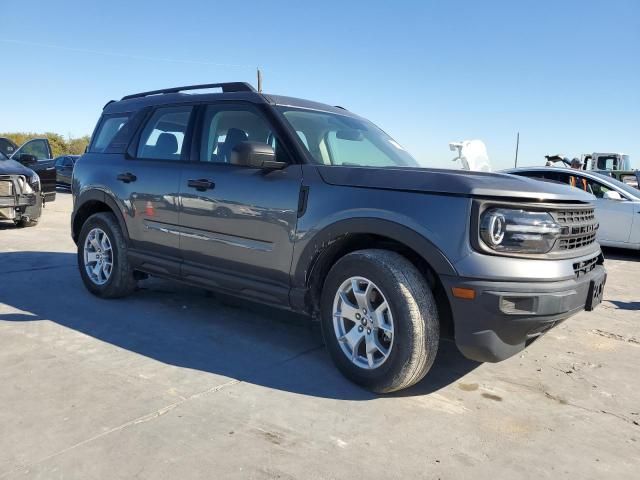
59,144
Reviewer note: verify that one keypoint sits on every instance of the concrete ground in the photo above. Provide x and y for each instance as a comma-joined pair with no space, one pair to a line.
170,383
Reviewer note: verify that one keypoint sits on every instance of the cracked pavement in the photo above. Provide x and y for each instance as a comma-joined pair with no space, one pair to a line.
174,382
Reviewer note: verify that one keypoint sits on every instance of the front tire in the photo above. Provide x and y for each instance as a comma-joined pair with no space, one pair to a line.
102,257
379,320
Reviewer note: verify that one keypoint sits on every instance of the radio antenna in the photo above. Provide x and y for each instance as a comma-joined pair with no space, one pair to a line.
517,147
259,73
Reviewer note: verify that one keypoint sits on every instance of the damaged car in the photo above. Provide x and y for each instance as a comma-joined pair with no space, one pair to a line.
21,198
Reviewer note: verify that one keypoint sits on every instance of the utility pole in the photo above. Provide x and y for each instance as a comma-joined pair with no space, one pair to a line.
517,146
259,73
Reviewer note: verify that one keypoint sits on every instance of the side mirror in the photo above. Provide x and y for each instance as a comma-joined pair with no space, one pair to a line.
255,155
27,160
612,195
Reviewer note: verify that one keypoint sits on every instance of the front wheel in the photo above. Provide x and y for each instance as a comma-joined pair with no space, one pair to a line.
379,320
102,257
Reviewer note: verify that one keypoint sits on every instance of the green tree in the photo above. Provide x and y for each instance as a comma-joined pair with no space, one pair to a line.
59,145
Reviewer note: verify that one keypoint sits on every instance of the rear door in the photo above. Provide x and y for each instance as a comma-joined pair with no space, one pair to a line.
237,222
148,181
44,165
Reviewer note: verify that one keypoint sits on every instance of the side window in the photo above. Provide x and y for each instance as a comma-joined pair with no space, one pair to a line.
597,188
224,127
68,162
60,161
37,147
163,136
109,126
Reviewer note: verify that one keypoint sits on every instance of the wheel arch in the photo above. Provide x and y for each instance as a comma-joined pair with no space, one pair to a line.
341,238
95,201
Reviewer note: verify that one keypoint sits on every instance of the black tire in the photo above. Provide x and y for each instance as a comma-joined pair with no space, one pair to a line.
415,317
27,222
121,281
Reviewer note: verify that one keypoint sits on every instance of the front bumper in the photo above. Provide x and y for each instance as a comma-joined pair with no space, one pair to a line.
16,203
504,317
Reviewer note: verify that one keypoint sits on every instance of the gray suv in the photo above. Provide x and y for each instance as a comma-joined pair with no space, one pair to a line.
312,208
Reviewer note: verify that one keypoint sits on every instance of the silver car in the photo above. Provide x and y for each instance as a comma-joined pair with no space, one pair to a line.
617,204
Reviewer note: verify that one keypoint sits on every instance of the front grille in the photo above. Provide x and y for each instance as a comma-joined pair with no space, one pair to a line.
6,188
579,227
585,266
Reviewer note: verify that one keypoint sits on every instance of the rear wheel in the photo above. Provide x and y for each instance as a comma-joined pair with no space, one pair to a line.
379,320
102,257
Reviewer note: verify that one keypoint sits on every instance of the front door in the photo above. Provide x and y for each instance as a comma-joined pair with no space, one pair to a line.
44,165
615,216
238,223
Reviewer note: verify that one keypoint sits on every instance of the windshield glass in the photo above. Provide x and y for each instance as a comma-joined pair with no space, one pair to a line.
628,189
334,139
3,156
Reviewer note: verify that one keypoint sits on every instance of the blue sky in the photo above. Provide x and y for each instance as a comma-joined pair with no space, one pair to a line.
566,74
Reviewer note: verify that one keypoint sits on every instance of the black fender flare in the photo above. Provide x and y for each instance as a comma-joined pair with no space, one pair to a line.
98,195
373,226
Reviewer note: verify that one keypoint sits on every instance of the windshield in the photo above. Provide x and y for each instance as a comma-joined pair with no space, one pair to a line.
3,156
334,139
628,189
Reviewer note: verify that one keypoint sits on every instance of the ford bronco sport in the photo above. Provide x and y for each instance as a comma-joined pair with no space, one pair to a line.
315,209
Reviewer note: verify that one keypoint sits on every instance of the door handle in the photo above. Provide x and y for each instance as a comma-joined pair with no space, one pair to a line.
126,177
201,184
50,168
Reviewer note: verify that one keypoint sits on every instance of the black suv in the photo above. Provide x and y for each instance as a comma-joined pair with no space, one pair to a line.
312,208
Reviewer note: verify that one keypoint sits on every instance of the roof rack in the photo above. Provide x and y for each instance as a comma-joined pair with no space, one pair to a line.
226,88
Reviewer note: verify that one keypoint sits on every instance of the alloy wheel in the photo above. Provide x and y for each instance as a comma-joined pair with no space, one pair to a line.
363,323
98,256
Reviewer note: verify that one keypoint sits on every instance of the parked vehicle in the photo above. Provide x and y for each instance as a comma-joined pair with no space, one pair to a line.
36,155
315,209
64,169
617,204
20,198
606,161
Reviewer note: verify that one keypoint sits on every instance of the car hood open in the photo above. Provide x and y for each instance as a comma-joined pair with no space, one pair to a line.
11,167
452,182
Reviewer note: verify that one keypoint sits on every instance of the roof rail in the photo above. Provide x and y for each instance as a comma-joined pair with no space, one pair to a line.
226,88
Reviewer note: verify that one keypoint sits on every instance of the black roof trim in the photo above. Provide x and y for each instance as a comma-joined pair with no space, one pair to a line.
226,87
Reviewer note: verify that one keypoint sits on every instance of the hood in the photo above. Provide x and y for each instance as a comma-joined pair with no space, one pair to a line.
11,167
451,182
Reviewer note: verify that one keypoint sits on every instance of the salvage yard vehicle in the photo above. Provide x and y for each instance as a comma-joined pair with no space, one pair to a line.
64,169
617,204
606,161
312,208
20,197
36,155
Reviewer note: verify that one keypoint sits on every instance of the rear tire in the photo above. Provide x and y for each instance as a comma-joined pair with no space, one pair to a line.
115,281
404,339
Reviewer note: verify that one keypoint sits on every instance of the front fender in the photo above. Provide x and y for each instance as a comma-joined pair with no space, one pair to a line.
311,247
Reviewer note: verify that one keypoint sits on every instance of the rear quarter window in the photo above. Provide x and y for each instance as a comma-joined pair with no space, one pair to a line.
109,126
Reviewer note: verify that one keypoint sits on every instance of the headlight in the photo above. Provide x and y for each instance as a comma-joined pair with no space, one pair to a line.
35,182
518,231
